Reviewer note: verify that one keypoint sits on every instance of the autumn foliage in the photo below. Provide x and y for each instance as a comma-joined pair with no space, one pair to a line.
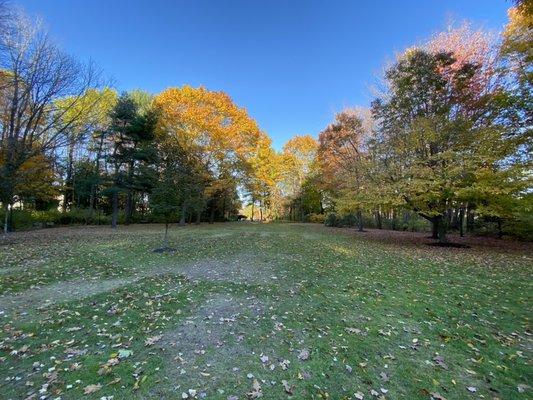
444,144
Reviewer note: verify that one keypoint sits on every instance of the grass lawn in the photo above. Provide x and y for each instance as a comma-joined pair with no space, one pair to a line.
262,310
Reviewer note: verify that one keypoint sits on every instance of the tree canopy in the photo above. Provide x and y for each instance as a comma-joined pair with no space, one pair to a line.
447,139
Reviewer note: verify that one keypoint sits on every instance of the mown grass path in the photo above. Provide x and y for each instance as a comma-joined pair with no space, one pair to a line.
262,310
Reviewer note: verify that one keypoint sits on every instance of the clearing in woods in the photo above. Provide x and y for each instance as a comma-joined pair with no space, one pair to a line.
262,310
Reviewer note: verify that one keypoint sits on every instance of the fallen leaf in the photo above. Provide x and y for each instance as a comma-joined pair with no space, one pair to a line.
353,330
256,390
304,355
288,388
92,388
440,362
152,340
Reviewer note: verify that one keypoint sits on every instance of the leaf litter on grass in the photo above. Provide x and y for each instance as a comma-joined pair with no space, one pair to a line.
277,311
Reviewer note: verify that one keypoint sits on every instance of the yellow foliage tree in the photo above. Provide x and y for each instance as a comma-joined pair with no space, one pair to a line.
207,121
208,124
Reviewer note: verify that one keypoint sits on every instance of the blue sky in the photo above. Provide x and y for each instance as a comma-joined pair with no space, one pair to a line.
292,64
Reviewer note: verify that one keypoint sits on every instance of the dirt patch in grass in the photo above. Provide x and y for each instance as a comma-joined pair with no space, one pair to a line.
205,350
242,268
25,304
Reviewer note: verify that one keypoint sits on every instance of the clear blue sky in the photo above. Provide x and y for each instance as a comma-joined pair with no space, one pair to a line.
292,64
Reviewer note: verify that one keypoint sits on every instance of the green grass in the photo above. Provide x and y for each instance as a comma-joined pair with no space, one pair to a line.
410,319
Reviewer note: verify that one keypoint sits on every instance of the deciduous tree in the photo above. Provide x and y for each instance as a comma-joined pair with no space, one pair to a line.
35,74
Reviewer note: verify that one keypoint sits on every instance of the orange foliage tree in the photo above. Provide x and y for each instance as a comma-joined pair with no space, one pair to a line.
221,135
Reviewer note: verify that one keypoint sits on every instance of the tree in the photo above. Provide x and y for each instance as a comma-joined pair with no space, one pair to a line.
93,110
35,73
344,161
35,183
518,58
263,176
438,135
298,164
130,137
164,200
84,179
516,46
6,17
217,139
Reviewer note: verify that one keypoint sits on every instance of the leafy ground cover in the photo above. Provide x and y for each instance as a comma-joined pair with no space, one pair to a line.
269,311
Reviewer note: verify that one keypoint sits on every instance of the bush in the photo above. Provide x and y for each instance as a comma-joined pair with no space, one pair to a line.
348,220
20,220
28,219
332,220
317,218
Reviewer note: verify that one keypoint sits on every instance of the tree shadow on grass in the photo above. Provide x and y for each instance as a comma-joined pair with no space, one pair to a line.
449,244
164,250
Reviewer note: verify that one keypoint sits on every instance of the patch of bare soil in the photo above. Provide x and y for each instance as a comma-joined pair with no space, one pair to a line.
205,349
243,268
39,298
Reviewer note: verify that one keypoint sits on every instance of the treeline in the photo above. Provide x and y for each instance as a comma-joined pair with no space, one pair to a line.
73,150
445,144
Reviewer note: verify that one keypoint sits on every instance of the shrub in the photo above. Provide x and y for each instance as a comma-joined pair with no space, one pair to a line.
21,220
317,218
349,220
332,220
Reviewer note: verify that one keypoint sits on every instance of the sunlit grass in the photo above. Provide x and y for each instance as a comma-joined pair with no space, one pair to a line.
402,322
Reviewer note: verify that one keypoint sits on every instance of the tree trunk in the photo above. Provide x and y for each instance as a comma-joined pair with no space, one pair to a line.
67,196
260,212
198,217
359,221
393,223
470,220
500,230
460,221
114,218
252,219
129,198
6,219
183,214
406,217
441,230
379,223
94,189
435,227
212,215
455,222
128,208
92,198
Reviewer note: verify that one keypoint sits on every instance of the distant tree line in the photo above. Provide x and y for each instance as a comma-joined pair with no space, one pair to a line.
446,142
447,139
72,145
